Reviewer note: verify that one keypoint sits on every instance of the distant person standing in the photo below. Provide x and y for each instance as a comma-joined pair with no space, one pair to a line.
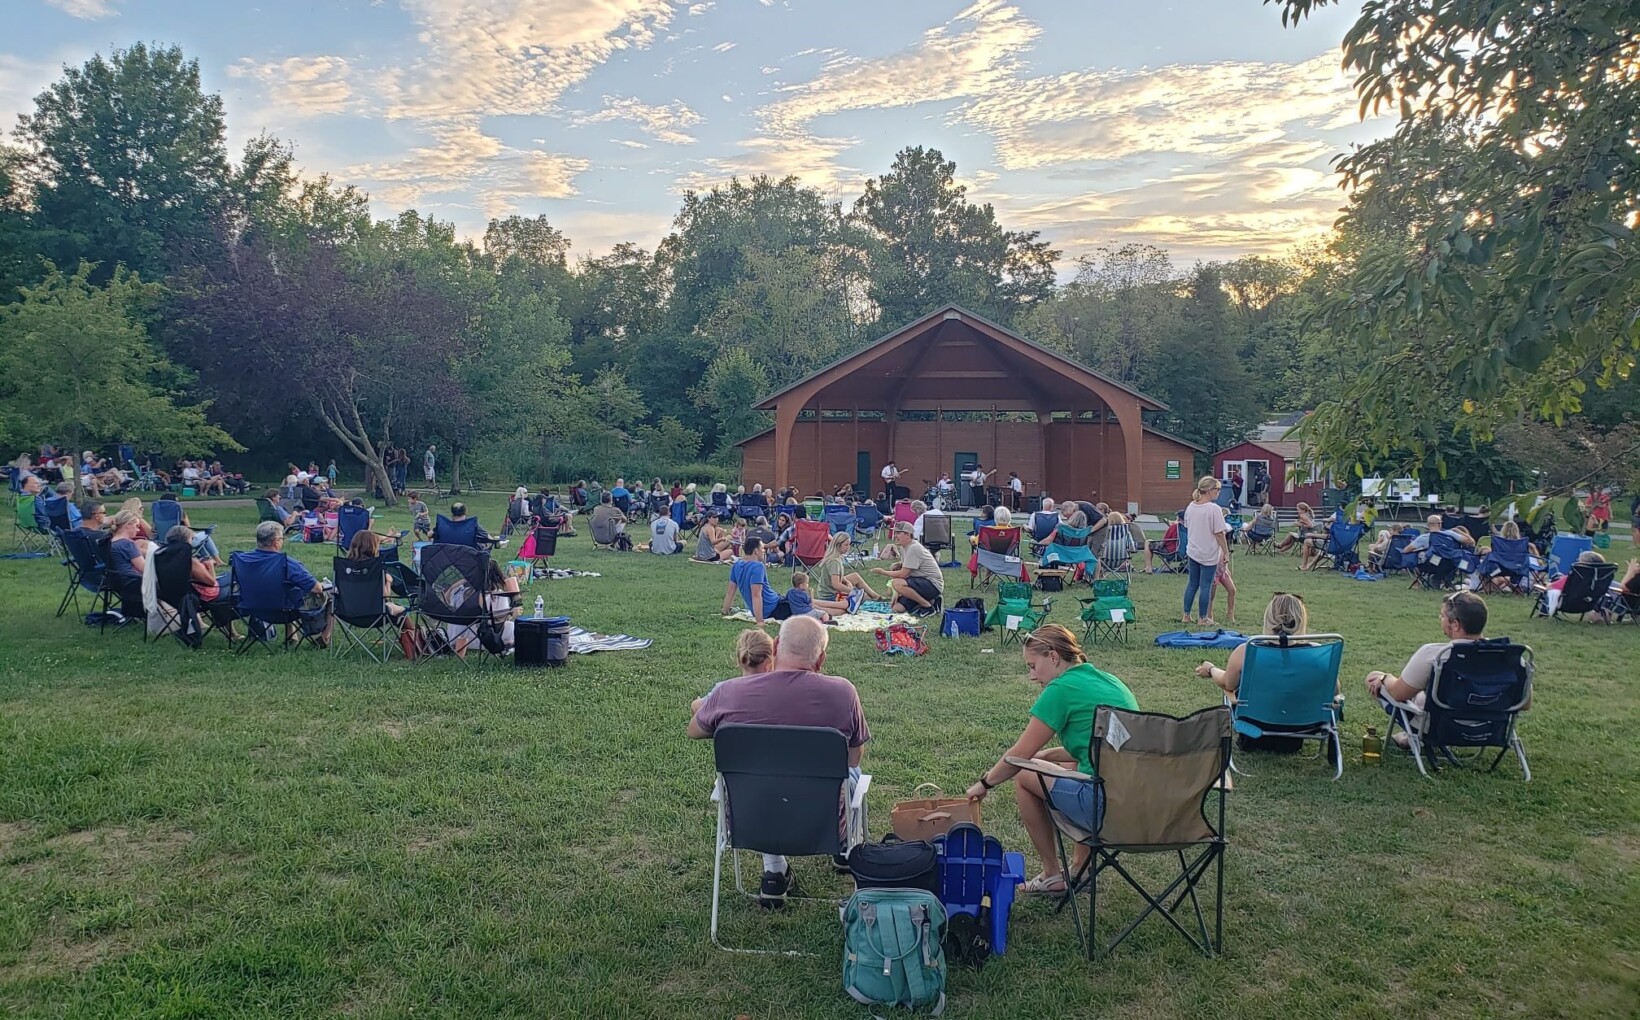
429,466
1207,548
1016,491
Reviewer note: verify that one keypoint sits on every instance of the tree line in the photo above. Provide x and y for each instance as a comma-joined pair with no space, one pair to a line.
163,291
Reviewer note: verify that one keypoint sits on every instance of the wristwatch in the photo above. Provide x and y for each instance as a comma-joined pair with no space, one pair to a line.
983,783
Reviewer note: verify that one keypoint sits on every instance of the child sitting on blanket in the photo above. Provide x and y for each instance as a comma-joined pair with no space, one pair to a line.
736,536
802,603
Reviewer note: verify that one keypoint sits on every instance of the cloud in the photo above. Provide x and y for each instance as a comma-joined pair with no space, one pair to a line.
464,160
723,47
975,54
307,86
86,10
663,123
21,80
810,159
1197,108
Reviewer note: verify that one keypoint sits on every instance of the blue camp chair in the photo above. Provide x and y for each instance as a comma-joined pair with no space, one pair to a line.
1069,548
1396,556
1289,688
1339,549
1041,525
86,570
352,519
679,511
462,532
1508,558
1478,691
839,518
1441,566
1174,562
167,515
1565,551
262,595
752,506
867,520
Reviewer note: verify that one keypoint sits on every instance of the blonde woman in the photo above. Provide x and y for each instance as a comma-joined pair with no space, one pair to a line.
754,654
1207,548
835,584
1305,525
1284,616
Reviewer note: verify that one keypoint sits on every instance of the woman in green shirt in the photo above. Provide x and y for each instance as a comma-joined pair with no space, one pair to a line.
1072,691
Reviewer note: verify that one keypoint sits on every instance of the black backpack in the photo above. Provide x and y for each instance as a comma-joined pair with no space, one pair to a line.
895,864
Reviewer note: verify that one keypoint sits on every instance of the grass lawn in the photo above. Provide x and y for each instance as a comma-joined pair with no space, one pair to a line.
193,834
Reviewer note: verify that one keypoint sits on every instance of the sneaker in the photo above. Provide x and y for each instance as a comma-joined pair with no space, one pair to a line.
776,884
839,864
855,597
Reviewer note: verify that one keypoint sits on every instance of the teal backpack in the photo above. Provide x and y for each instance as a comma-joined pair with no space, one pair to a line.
893,948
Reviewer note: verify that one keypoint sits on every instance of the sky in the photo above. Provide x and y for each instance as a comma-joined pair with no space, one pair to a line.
1201,126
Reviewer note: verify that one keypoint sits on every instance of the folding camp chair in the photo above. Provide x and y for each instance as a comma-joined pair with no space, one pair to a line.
1289,688
143,477
266,512
1587,590
546,545
361,610
1015,614
1441,566
177,606
350,520
454,589
1260,538
936,535
996,554
1040,526
1338,551
1509,559
839,518
88,566
1155,775
167,515
779,790
868,519
463,532
814,509
1396,558
1116,551
1478,692
1565,550
51,519
810,541
1070,549
1108,613
1173,561
752,506
260,596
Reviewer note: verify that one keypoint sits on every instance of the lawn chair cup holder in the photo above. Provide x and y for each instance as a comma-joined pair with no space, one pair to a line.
974,868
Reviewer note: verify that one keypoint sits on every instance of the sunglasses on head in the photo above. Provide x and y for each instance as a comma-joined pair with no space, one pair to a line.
1291,594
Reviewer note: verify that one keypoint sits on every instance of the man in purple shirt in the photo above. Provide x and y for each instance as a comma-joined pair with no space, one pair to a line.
794,693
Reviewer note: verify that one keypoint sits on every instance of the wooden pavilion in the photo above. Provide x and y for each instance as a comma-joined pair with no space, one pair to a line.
953,389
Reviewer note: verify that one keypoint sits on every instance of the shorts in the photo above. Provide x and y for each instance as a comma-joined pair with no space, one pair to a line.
782,611
1080,802
924,587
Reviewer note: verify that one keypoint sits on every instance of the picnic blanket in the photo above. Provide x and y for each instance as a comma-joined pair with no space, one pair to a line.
585,642
1201,639
861,622
555,574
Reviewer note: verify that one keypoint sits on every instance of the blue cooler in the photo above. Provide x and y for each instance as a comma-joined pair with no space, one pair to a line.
974,868
957,622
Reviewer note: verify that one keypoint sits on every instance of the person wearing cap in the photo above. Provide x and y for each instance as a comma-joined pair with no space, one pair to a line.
713,545
917,582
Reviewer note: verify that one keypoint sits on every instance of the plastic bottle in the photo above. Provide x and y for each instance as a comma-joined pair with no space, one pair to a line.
1372,747
540,607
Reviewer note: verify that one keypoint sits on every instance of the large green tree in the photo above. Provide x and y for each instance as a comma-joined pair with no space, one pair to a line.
1514,279
77,368
929,246
128,160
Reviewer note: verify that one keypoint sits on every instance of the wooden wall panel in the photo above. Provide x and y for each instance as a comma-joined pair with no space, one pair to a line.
1163,495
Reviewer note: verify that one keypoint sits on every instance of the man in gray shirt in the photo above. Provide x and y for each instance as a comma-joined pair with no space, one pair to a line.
917,582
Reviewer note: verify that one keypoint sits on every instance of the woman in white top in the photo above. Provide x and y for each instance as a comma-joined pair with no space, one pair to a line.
1206,549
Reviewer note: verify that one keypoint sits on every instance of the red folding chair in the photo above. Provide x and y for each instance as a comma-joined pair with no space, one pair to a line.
812,539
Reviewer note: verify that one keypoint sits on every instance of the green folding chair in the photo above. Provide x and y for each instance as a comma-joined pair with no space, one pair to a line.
1015,614
1106,616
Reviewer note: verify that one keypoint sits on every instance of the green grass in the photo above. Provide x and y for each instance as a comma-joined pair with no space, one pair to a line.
191,834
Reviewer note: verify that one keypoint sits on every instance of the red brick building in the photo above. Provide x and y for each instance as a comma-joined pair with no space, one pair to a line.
951,389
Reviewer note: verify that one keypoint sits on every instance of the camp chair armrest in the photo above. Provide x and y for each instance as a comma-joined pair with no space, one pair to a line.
1047,769
861,785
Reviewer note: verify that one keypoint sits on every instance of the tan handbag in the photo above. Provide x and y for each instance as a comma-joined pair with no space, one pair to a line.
928,817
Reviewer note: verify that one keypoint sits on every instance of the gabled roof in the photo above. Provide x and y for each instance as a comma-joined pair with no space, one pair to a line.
1170,437
878,348
1286,449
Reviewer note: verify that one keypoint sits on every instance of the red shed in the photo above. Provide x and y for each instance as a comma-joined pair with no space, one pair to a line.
1278,456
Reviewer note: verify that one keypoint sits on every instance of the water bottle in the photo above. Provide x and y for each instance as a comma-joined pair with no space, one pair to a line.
1372,747
540,607
951,627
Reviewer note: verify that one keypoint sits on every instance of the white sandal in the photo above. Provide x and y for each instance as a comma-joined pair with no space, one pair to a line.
1044,885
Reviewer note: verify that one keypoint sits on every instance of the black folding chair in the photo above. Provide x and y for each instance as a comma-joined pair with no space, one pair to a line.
1155,776
87,565
546,545
178,604
454,590
1588,589
361,609
1473,701
778,791
937,535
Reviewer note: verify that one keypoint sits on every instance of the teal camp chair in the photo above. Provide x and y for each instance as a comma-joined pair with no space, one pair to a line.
1289,688
1108,613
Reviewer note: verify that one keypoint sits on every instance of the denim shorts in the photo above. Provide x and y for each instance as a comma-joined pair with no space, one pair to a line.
1082,803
